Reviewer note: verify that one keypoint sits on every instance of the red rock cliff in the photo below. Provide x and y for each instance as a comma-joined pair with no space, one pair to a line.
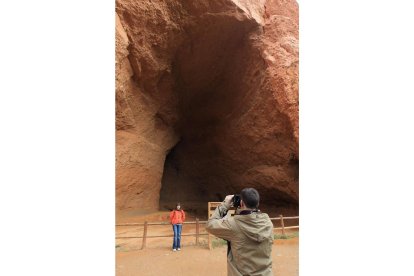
206,101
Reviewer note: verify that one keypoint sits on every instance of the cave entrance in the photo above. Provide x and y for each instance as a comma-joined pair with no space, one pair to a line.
222,115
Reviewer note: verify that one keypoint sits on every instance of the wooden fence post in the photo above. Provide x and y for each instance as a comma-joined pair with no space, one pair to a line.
283,225
144,237
197,230
209,215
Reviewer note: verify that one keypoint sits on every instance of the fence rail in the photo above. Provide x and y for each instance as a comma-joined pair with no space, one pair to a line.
187,222
157,223
197,222
163,236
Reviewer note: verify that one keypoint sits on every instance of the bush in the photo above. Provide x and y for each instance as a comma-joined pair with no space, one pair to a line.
287,236
218,243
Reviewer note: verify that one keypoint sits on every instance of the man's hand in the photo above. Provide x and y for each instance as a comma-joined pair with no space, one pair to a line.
228,201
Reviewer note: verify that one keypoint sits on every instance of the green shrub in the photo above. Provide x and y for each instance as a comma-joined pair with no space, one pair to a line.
287,236
218,243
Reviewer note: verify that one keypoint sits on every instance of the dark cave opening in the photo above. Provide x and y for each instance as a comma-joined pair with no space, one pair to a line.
217,72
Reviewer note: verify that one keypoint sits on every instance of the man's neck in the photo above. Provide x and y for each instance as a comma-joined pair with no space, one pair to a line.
245,210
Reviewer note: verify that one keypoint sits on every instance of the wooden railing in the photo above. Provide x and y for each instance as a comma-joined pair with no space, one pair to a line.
197,222
281,218
146,224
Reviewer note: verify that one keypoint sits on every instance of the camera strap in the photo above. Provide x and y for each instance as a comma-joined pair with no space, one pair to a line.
248,212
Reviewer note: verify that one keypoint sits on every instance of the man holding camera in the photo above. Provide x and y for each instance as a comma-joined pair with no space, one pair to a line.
249,234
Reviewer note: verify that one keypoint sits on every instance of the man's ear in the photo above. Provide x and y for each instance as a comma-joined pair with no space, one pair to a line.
241,203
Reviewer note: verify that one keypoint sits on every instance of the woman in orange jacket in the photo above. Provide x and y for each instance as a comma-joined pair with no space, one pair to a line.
177,218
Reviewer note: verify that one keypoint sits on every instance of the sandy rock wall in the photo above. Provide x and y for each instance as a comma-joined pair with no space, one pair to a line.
207,101
142,139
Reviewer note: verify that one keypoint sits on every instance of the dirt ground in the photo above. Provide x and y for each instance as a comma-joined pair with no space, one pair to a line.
159,259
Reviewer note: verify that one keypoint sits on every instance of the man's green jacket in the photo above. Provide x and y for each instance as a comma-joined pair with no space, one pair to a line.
251,239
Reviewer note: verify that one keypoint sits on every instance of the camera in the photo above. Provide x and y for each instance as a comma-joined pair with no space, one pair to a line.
236,201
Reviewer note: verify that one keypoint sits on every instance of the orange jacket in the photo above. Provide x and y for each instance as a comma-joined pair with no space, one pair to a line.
177,217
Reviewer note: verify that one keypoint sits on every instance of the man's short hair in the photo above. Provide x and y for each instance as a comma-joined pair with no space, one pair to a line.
250,197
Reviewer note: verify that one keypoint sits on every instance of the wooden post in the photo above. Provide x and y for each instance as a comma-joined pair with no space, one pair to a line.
144,237
283,225
209,236
211,208
197,230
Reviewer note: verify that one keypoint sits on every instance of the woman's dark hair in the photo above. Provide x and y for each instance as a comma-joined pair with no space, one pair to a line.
250,197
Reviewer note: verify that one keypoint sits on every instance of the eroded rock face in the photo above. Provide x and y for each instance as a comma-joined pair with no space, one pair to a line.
207,101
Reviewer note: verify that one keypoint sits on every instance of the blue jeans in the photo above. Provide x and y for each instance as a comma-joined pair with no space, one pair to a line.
177,235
